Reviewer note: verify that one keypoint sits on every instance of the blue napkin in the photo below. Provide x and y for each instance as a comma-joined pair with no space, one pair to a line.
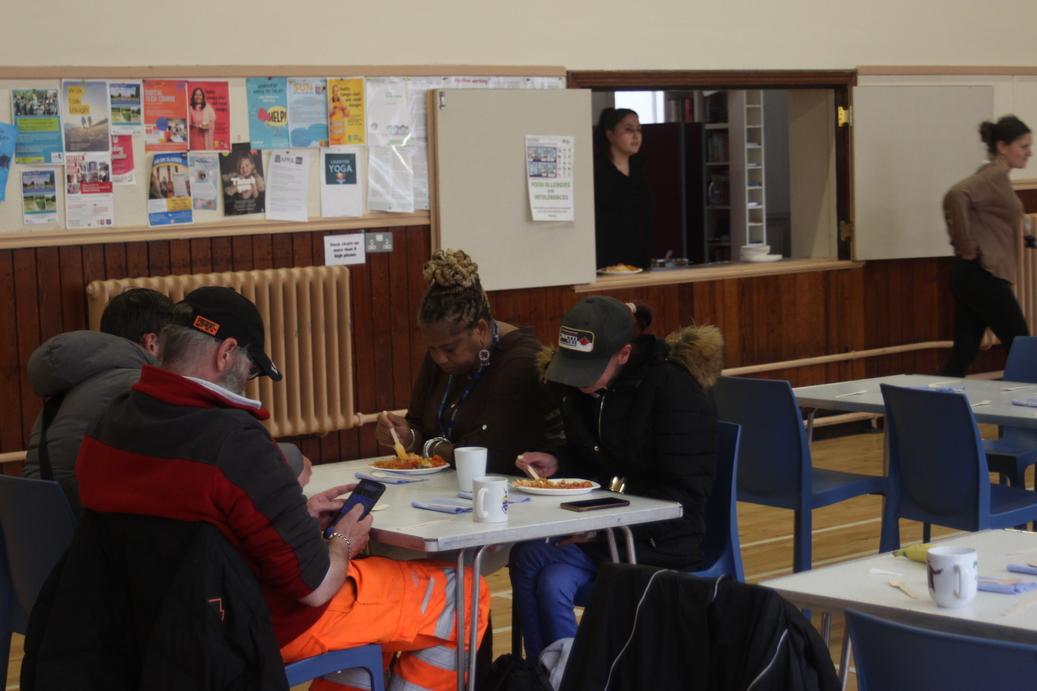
1022,568
444,505
951,387
388,479
1030,402
993,586
468,496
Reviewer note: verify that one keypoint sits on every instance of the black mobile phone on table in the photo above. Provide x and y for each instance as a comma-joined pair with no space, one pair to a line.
366,494
592,504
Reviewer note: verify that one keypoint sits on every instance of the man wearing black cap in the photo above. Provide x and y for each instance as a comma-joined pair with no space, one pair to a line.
187,444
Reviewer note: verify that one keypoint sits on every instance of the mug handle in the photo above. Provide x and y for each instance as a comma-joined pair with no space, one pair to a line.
960,587
480,503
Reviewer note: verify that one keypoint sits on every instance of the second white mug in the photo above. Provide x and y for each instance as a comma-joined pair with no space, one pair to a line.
953,573
470,462
490,499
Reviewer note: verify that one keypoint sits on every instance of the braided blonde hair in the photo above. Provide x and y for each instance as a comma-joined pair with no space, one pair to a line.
454,292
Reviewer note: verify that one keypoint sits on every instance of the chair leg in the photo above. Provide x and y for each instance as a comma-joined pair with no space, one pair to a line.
889,538
927,532
802,538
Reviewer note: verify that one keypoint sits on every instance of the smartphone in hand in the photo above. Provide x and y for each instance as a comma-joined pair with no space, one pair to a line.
366,494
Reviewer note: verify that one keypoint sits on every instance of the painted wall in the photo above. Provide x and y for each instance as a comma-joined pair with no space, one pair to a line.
606,34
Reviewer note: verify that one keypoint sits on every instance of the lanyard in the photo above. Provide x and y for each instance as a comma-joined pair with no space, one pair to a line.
446,429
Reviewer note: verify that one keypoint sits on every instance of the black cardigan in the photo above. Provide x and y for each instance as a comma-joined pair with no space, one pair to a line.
622,215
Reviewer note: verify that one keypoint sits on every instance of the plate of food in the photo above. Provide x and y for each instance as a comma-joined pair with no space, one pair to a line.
618,269
555,486
411,464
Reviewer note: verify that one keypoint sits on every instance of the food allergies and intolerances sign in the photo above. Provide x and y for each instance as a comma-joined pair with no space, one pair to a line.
549,177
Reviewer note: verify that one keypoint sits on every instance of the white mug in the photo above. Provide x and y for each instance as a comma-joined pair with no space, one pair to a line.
490,499
953,573
470,462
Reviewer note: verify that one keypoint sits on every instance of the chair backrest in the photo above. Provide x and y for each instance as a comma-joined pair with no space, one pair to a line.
937,466
36,525
1022,360
775,454
721,551
896,657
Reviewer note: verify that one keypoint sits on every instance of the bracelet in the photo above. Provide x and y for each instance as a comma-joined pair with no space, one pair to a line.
344,538
429,445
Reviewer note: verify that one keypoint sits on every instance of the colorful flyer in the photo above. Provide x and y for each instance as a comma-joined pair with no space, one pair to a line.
343,181
165,115
127,107
267,112
8,139
84,116
241,174
39,127
388,112
346,111
205,178
169,190
307,112
39,197
89,202
208,116
549,177
122,159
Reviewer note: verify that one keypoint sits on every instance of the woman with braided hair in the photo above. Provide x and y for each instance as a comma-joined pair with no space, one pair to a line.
478,384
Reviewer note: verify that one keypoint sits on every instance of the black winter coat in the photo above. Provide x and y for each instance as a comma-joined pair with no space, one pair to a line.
150,603
655,426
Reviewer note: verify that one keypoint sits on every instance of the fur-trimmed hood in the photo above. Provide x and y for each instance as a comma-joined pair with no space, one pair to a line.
698,349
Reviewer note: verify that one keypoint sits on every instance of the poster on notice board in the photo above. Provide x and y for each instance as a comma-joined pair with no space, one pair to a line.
307,112
39,126
267,112
169,190
89,202
208,116
241,175
84,116
39,197
165,115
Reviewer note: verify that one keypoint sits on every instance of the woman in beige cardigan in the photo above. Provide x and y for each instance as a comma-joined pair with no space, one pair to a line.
984,218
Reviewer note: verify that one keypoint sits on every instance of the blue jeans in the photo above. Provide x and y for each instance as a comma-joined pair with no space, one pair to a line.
544,581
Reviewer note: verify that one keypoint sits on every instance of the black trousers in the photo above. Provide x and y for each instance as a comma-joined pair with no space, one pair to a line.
981,300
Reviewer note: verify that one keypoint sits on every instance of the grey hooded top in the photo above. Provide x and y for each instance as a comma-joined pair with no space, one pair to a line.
91,368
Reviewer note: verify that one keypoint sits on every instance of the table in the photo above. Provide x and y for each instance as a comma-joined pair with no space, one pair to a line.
854,584
401,525
991,399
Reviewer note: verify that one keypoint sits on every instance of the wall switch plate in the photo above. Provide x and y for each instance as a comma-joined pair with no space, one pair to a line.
378,242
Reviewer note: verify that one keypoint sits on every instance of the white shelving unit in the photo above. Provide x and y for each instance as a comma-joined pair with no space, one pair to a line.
748,200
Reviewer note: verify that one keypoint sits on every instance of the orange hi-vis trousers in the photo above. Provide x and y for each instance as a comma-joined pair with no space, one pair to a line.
408,608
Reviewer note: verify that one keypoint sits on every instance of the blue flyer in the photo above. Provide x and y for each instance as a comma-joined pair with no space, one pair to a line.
307,112
169,190
8,137
267,112
38,125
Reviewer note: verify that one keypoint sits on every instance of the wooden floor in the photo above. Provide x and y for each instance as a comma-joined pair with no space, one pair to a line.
846,530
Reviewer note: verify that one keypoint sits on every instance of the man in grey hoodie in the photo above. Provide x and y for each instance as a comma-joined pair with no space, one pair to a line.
88,369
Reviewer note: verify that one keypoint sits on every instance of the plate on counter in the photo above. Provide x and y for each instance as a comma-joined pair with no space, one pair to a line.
619,270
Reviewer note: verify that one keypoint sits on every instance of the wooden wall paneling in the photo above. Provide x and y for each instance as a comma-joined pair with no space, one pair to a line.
27,317
179,257
137,262
73,289
241,253
382,336
10,366
262,252
158,258
115,260
281,245
222,254
364,372
402,323
201,255
418,249
48,285
302,251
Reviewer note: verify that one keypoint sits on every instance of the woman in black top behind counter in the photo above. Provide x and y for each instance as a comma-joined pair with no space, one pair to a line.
622,199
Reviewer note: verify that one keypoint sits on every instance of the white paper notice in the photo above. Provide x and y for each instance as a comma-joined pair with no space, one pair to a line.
344,249
390,179
288,185
88,191
549,174
387,111
343,181
205,176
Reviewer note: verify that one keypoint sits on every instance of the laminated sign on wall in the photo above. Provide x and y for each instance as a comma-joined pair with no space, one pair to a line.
549,176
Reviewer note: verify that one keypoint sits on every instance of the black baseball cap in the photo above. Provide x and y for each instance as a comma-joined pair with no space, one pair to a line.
591,333
225,313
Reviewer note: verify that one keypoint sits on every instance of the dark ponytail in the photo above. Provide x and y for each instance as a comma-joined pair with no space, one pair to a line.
1007,129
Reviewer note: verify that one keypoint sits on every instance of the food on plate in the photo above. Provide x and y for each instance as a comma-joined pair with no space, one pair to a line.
544,483
621,268
411,461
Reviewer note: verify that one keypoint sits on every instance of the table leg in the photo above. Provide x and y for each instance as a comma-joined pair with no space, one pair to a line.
613,552
474,625
810,425
826,627
631,557
844,659
462,663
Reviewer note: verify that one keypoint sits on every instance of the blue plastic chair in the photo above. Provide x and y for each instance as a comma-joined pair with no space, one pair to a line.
937,468
721,550
1016,450
896,657
36,525
774,465
366,657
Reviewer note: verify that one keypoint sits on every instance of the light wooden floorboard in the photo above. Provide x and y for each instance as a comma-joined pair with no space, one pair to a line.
846,530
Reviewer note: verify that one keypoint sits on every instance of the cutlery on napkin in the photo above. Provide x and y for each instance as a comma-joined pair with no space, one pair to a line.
444,505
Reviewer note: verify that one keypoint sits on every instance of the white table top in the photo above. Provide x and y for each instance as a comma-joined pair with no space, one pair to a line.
850,585
402,525
999,410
